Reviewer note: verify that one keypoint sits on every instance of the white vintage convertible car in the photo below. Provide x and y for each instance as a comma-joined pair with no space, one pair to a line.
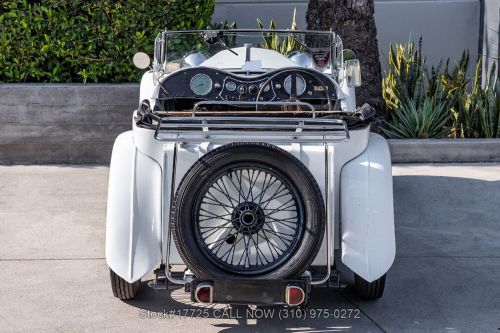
249,175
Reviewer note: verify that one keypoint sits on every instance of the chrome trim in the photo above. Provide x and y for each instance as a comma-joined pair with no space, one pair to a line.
251,129
194,58
327,225
204,285
201,75
336,46
168,274
287,296
301,58
252,103
299,130
289,78
231,31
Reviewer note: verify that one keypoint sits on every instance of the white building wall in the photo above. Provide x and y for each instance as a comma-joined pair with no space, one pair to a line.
447,26
490,42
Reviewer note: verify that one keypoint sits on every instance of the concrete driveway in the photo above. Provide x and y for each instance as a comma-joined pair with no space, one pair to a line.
446,277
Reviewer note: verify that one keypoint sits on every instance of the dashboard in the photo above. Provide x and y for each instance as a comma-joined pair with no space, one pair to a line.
203,83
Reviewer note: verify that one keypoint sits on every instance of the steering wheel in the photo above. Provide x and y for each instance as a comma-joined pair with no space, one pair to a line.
293,88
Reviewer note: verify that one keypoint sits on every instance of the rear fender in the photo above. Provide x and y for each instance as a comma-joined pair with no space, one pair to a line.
367,212
133,222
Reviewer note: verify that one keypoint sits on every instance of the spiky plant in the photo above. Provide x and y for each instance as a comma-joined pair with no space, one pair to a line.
476,111
489,109
428,120
404,82
273,41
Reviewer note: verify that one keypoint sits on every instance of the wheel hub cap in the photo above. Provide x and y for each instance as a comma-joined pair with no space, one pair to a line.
248,218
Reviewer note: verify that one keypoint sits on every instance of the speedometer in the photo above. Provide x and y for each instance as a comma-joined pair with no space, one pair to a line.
201,84
300,85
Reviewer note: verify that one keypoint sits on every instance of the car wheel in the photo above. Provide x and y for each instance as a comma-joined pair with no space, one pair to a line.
121,288
247,209
369,290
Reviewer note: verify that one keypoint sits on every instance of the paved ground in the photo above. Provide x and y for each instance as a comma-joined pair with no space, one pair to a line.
446,277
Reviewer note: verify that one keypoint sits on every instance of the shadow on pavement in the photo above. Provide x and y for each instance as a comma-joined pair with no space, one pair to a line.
444,276
328,311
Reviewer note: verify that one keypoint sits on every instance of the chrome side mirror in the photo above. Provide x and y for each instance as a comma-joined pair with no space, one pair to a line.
353,73
141,60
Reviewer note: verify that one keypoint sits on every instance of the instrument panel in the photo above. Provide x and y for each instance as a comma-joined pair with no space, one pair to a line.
213,84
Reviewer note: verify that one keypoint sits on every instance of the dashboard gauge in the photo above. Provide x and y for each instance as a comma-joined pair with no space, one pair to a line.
242,89
301,85
253,89
230,86
201,84
266,89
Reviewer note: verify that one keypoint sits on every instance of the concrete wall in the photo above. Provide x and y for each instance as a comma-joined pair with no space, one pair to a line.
445,150
448,27
75,123
63,123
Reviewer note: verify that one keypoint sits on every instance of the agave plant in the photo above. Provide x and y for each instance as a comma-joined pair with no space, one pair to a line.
404,83
489,109
428,120
476,111
273,41
456,81
473,111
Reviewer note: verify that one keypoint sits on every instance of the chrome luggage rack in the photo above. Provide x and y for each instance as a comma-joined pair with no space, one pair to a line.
251,129
250,126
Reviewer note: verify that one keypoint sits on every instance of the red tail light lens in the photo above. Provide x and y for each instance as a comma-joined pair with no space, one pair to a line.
204,293
294,295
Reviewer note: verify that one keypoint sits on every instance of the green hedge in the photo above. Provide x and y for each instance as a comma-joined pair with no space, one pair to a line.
87,41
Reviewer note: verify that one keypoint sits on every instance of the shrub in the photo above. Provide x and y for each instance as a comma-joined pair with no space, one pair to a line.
273,41
428,120
417,98
404,83
476,110
79,41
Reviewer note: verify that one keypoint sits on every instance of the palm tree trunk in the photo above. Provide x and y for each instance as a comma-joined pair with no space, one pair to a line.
353,21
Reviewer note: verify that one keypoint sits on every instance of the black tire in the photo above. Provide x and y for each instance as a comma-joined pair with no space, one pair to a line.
369,290
230,157
121,288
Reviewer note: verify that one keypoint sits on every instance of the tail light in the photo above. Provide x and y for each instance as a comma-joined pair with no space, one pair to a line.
294,295
204,293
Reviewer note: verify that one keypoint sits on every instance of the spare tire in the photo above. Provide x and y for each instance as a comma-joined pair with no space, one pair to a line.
247,209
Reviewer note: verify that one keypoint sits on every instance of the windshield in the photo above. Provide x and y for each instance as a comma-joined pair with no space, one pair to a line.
179,49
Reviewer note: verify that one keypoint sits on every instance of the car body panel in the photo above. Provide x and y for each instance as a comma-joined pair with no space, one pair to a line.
361,251
133,228
226,59
354,175
366,211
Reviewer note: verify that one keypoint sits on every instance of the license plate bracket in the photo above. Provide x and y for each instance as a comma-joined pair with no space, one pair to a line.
249,291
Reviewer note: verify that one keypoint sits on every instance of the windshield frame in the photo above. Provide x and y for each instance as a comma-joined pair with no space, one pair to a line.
335,47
